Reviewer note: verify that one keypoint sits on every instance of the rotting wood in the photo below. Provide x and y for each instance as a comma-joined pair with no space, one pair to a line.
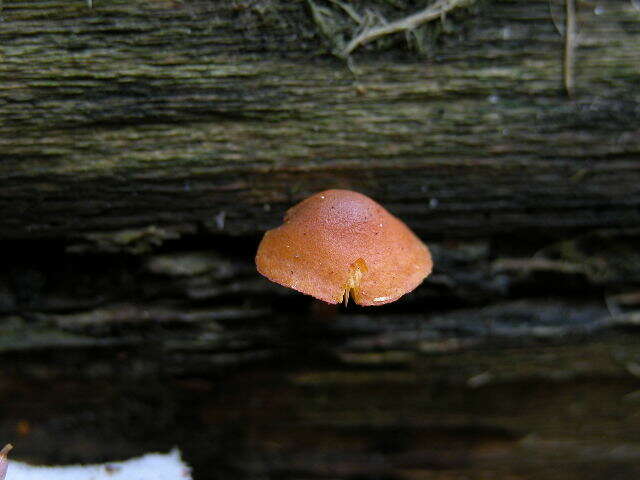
147,144
477,130
189,302
527,412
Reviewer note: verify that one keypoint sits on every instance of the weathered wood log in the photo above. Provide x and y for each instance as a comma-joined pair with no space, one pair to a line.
227,110
537,373
145,145
534,413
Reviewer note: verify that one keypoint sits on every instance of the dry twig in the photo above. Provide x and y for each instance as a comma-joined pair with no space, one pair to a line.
3,460
432,12
569,46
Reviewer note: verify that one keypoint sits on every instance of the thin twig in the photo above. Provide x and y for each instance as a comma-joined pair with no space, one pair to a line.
3,460
554,19
569,46
5,450
349,10
317,13
432,12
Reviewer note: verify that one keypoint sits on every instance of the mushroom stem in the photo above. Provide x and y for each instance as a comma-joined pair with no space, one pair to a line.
358,269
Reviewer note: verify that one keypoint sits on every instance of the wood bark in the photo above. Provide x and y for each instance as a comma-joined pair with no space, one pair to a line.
146,145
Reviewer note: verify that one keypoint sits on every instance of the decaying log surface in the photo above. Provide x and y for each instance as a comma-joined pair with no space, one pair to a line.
146,144
230,109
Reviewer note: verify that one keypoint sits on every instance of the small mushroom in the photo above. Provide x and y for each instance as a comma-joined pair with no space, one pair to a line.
339,243
4,463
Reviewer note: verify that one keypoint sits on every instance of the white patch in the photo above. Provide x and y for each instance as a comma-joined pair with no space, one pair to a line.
153,466
381,299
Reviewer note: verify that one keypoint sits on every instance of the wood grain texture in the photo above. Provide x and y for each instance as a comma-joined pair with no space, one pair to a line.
146,144
149,113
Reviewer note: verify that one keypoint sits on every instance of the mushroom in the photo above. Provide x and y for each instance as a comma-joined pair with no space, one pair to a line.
4,463
339,243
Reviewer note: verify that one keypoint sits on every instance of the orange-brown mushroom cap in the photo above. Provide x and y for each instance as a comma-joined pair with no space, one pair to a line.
340,242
